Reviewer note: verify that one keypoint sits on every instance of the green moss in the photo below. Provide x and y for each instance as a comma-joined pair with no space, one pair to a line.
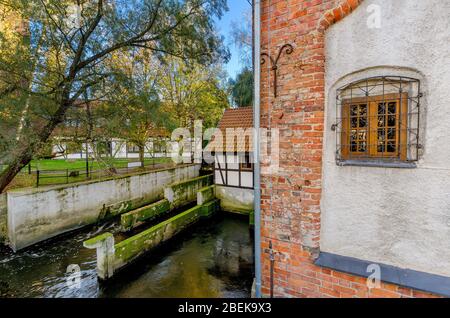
131,219
3,233
206,180
111,211
132,247
208,193
236,207
210,208
252,218
93,241
186,191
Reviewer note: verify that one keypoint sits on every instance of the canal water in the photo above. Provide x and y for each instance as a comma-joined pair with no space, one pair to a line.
212,259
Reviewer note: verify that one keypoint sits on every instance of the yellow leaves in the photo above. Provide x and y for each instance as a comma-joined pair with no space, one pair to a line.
12,31
133,62
192,92
5,114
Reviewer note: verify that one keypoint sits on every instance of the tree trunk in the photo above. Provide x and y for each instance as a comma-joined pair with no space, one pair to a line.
141,156
28,148
13,169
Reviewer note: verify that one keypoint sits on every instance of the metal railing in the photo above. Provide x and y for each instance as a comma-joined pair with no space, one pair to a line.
67,176
42,177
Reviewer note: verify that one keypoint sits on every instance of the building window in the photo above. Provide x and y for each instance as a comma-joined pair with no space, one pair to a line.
246,163
132,148
378,120
104,147
75,123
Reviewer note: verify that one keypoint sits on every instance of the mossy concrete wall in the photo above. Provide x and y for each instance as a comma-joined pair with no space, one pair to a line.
110,259
3,218
38,214
135,218
206,194
235,200
182,193
251,219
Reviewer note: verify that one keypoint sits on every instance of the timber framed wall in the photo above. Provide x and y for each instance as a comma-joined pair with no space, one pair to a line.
228,170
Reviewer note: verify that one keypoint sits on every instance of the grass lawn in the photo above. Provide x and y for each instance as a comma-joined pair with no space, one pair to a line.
55,171
80,164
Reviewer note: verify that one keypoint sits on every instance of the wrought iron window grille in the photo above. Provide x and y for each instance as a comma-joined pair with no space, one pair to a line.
378,120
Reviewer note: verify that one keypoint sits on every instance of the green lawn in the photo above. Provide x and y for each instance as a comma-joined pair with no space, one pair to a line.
55,171
80,164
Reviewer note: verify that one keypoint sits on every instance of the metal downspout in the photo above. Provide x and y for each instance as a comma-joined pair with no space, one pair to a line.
256,143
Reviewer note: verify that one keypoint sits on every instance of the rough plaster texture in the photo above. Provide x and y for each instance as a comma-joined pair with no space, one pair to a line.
235,200
394,216
38,214
3,218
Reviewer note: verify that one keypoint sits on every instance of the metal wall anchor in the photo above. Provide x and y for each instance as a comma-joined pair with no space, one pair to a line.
288,48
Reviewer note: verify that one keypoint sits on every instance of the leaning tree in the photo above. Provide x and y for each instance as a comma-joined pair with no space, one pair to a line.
65,46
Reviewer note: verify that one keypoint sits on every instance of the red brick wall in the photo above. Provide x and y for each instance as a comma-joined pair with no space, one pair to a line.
290,199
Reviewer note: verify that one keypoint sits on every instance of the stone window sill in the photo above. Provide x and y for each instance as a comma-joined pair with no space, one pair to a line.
377,164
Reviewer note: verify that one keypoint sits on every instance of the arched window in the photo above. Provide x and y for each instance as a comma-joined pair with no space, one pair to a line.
378,120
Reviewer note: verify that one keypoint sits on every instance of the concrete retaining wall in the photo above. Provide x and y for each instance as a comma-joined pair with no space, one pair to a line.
206,194
3,218
235,200
135,218
185,192
111,258
38,214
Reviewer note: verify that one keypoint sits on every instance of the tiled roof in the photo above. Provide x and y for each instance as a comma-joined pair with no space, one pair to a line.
233,119
237,118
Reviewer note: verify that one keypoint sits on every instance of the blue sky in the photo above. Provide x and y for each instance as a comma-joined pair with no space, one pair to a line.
234,15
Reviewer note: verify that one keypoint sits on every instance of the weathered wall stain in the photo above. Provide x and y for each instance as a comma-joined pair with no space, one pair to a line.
38,214
111,258
182,193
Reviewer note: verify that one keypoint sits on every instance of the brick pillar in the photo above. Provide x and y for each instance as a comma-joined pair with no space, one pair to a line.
290,198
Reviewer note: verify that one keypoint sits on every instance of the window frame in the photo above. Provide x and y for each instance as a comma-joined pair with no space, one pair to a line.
131,148
222,177
371,128
245,160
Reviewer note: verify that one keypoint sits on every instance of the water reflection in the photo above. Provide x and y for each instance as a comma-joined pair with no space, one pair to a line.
213,259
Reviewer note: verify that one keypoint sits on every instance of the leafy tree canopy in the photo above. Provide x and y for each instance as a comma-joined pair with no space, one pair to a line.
61,50
242,88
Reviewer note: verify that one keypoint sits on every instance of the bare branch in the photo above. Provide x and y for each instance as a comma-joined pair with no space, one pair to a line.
58,26
134,41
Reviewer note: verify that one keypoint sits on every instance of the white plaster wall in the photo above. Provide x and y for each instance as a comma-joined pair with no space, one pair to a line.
247,179
38,214
119,149
394,216
218,177
120,155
